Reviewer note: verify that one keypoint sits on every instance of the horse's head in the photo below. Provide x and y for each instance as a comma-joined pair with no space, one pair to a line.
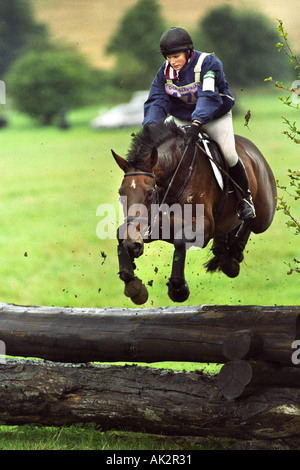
137,192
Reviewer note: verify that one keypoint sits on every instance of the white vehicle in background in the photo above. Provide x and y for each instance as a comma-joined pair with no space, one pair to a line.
124,115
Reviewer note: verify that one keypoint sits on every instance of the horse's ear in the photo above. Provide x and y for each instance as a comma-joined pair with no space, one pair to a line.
152,159
120,162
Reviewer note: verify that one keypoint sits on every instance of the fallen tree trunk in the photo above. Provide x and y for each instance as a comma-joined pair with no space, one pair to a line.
194,334
142,399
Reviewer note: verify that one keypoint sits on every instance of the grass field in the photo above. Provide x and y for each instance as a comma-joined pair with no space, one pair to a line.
51,185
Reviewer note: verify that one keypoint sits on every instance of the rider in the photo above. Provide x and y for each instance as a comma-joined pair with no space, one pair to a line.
191,87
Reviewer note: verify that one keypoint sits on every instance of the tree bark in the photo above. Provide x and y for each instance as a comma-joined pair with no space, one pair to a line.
195,334
142,399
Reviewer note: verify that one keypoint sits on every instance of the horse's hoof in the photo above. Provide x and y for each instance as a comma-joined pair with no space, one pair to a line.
137,291
180,293
132,287
229,266
142,296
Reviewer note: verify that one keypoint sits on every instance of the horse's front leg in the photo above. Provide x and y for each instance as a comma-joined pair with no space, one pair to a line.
178,289
134,288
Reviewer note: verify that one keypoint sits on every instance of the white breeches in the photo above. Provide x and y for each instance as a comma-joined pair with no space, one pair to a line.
220,130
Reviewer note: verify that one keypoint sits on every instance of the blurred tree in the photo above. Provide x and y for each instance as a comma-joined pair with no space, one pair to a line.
242,39
17,29
138,35
44,83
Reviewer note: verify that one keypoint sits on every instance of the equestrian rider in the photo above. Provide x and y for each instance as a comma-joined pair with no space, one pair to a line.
191,87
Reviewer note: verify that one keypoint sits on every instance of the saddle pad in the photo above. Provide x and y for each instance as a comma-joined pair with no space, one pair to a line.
218,174
216,171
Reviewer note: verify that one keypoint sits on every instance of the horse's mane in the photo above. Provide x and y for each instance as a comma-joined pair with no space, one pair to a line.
151,135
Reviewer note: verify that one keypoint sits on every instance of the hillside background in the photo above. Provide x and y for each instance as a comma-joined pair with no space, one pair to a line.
89,24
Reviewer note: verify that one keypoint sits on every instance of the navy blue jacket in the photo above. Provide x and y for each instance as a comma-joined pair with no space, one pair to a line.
190,102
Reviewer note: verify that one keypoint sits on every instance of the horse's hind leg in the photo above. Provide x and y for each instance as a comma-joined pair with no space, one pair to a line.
178,289
219,249
228,251
238,239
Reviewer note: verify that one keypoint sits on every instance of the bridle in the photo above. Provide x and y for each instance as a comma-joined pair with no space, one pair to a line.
132,219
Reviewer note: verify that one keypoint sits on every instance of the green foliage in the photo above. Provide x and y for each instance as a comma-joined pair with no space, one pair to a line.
44,83
18,30
243,40
292,223
138,35
292,133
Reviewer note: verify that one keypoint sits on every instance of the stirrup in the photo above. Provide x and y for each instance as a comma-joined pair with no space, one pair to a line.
245,208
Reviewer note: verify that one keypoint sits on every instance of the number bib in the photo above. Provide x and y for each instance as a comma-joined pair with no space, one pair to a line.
187,93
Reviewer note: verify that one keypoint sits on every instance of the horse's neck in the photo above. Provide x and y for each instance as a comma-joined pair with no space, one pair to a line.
171,169
167,166
169,157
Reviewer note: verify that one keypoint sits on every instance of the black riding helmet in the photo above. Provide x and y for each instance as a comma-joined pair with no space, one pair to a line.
176,40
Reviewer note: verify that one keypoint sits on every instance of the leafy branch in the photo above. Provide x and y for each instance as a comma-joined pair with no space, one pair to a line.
292,133
293,101
286,45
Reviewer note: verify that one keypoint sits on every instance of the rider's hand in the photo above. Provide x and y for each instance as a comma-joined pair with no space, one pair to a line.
191,134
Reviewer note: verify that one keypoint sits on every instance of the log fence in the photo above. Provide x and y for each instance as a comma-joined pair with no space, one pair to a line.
256,393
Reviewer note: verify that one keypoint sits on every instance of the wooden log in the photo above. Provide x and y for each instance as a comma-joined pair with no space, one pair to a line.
240,377
192,334
234,377
142,399
242,344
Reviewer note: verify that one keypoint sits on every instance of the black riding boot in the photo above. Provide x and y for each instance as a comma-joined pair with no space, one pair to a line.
245,207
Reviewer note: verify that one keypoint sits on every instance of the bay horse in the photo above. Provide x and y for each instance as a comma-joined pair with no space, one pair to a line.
161,172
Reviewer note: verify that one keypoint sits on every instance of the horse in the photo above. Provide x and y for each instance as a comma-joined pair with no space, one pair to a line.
161,173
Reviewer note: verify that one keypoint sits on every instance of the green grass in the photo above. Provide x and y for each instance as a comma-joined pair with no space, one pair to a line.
91,437
51,185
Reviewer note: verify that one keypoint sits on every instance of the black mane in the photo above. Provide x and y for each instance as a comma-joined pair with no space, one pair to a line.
151,135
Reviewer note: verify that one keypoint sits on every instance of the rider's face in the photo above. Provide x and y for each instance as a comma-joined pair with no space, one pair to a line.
177,60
